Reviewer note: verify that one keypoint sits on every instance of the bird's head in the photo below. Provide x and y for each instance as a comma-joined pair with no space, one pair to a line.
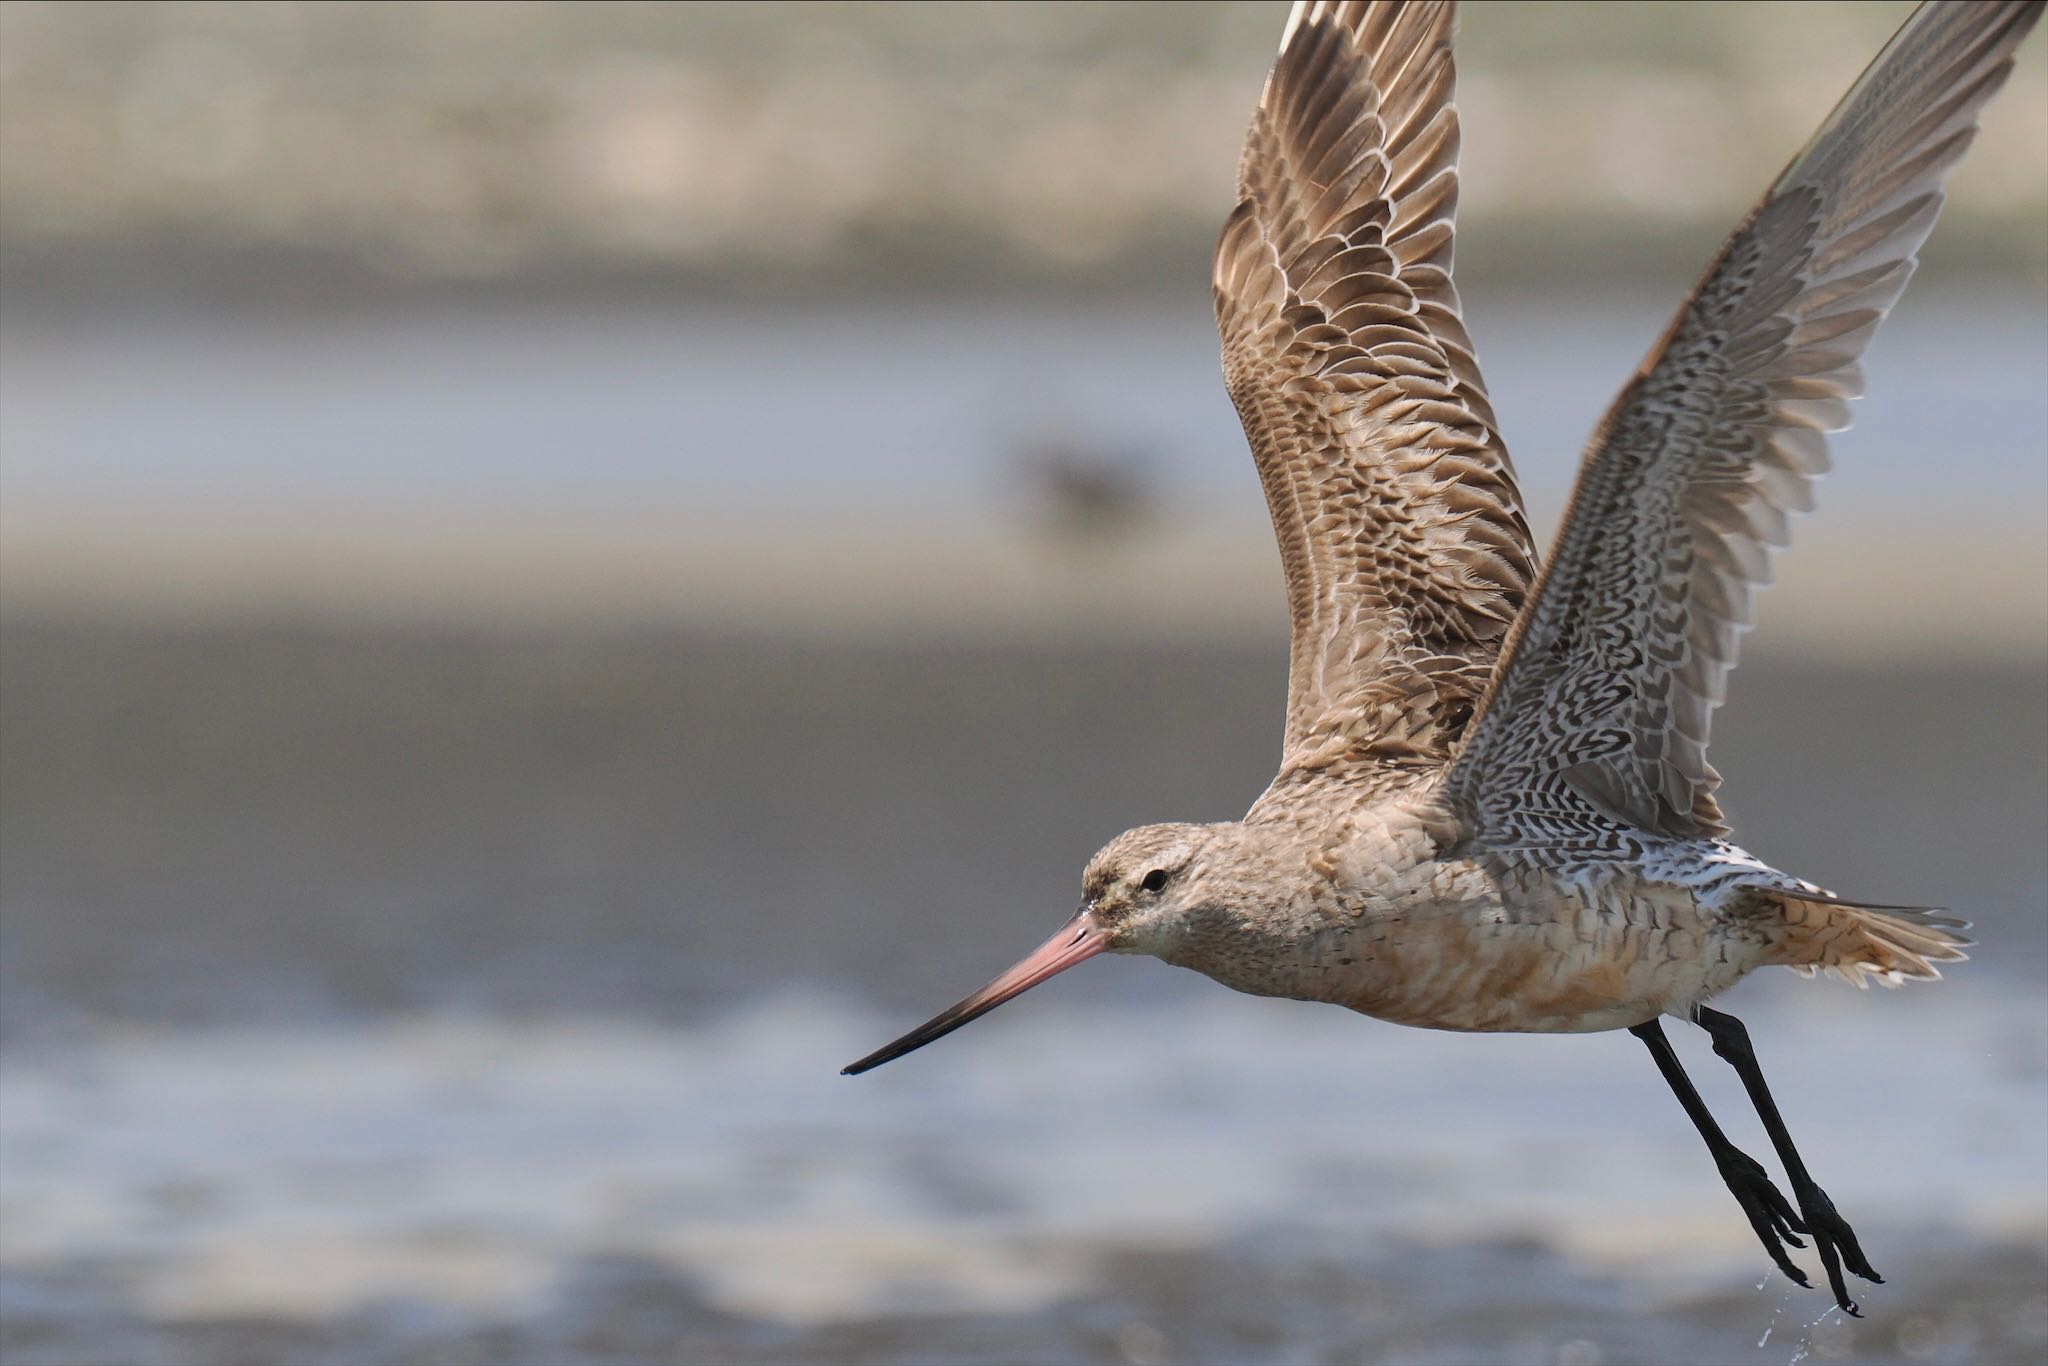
1141,887
1138,895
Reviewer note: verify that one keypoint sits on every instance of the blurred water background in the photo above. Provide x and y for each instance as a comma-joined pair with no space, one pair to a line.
567,570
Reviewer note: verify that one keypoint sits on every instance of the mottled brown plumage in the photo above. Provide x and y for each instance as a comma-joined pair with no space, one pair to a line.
1694,474
1494,809
1400,526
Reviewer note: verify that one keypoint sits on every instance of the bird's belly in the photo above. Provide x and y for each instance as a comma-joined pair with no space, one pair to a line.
1549,964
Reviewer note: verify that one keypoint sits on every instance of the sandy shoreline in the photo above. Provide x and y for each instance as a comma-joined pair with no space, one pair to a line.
1870,591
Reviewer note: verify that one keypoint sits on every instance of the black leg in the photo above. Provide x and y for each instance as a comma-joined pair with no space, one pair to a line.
1770,1214
1831,1234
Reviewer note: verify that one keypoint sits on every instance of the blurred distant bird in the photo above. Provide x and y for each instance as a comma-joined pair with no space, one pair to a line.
1494,810
1086,493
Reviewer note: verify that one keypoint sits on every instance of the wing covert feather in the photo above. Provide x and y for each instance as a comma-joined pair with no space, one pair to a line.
1400,527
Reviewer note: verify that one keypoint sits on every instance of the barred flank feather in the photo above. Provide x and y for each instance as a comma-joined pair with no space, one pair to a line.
1857,943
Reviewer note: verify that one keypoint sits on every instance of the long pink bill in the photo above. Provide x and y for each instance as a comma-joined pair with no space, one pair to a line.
1078,940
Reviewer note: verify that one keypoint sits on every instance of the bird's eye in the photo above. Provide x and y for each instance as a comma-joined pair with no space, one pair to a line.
1154,880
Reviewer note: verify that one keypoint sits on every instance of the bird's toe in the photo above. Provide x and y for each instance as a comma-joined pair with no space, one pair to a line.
1770,1214
1837,1245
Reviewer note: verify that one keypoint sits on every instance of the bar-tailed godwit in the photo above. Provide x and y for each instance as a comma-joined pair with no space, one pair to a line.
1494,809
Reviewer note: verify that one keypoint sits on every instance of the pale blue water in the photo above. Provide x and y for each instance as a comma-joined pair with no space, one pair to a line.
839,411
474,1170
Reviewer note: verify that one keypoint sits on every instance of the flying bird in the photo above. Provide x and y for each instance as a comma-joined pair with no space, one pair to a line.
1494,809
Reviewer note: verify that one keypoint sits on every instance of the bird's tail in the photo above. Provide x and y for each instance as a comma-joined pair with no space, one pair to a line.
1859,942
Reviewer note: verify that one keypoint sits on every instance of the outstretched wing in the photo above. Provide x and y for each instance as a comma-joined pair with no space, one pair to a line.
1611,677
1399,523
